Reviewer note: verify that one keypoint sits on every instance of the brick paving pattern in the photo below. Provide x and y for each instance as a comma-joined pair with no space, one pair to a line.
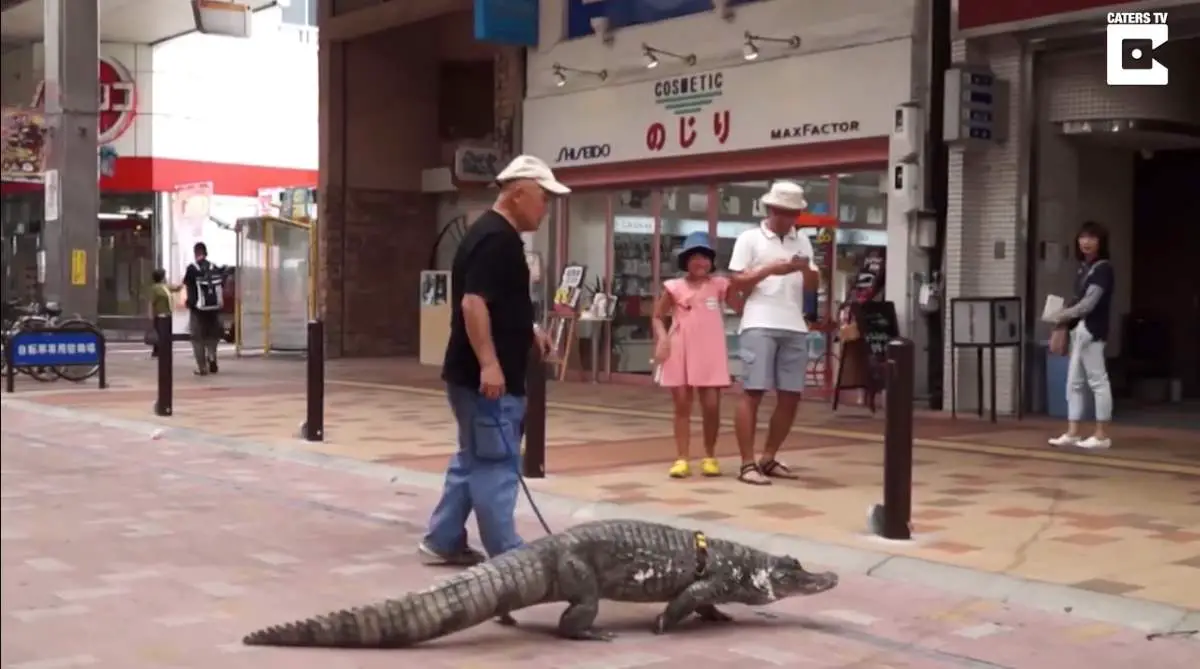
126,552
372,380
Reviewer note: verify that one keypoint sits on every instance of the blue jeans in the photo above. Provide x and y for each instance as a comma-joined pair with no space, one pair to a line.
483,474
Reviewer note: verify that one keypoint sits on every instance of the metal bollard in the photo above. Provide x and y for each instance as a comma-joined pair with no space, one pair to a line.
314,414
533,462
893,518
166,365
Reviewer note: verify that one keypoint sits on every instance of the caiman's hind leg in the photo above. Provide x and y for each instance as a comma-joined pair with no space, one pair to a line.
698,598
578,585
710,613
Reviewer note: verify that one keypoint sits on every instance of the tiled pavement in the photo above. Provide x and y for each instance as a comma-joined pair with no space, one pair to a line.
283,378
1113,525
1135,534
125,552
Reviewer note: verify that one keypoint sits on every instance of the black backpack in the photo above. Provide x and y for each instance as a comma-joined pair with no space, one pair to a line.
210,295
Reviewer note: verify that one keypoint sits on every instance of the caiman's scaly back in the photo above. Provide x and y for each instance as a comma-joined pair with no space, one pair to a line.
622,560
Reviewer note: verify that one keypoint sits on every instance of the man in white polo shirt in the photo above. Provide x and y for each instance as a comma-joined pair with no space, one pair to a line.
774,335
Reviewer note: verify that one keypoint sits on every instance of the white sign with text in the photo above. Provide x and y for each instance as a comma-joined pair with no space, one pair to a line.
821,97
1132,39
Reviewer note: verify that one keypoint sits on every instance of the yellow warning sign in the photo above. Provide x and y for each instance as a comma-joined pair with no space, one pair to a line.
78,267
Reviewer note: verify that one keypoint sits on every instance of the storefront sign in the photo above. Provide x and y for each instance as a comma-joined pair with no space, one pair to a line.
815,129
688,94
625,13
985,13
476,165
579,154
512,22
718,111
118,100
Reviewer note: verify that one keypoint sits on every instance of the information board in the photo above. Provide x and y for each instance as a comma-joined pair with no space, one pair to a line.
55,348
877,323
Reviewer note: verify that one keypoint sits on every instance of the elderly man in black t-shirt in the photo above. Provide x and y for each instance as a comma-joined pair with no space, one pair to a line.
492,333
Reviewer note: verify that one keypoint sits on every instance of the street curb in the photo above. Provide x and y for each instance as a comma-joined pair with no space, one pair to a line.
1150,617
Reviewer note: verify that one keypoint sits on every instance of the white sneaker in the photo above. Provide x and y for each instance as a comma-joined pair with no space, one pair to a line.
1065,440
1095,444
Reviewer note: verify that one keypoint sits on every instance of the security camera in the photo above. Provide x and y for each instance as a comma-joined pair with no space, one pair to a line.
601,27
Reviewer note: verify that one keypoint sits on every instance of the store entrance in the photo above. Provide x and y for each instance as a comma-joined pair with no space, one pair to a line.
1159,357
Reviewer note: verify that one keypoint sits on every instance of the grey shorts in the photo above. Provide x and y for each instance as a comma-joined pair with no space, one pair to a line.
773,359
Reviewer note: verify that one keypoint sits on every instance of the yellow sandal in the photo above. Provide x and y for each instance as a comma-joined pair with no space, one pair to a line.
680,470
710,467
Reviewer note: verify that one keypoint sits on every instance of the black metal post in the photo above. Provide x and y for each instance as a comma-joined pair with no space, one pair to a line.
102,347
10,374
937,172
898,442
166,365
992,356
314,419
1021,380
979,380
533,463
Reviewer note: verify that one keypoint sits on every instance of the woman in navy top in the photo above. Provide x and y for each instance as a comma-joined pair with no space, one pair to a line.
1087,319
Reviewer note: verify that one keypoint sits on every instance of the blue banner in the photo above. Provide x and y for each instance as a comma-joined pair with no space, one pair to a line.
512,22
625,13
55,348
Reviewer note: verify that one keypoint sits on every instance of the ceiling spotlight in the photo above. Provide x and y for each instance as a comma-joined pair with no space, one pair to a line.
560,73
750,48
651,55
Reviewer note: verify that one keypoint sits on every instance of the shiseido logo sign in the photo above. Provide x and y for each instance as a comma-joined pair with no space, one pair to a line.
576,154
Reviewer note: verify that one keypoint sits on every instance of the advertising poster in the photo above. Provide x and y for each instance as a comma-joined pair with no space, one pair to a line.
22,144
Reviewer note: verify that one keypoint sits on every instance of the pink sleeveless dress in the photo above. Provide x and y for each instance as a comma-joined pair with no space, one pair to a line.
698,356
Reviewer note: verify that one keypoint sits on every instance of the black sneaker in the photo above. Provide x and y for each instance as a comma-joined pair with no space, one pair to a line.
467,557
212,367
200,372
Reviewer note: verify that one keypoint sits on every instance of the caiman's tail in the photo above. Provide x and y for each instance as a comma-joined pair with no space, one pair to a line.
502,585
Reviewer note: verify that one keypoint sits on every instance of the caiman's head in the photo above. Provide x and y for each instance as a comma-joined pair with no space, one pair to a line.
786,577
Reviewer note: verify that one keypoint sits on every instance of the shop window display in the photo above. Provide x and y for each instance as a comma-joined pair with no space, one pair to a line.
587,245
862,200
126,260
636,253
862,229
649,225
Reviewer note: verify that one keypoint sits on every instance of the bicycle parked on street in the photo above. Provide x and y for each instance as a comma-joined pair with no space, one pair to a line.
21,317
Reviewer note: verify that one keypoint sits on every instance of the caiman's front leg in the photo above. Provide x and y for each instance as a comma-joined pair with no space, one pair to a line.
577,582
698,598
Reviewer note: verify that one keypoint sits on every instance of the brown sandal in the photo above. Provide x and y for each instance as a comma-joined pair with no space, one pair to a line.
777,470
751,475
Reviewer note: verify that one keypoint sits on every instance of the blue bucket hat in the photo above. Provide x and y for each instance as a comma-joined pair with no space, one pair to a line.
696,242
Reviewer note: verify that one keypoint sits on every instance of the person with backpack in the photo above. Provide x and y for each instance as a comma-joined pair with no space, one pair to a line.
205,298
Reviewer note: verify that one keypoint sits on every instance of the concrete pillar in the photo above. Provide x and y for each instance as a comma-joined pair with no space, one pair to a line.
70,234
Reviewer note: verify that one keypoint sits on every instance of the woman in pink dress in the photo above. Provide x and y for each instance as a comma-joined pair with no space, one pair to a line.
692,355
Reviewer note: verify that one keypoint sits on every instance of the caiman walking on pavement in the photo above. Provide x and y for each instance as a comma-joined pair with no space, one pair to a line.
618,560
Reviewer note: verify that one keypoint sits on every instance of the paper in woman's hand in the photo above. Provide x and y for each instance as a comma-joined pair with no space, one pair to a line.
1054,304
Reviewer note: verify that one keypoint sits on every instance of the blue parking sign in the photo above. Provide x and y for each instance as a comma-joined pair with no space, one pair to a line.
56,348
